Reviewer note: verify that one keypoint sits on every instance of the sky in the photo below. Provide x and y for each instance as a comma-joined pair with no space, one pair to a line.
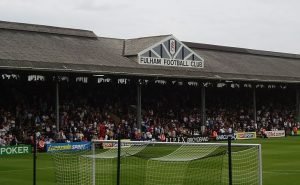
272,25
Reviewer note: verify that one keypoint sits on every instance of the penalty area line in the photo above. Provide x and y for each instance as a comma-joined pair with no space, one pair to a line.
287,172
29,169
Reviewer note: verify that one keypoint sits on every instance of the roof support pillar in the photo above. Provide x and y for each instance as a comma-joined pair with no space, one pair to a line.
139,106
203,107
57,105
254,104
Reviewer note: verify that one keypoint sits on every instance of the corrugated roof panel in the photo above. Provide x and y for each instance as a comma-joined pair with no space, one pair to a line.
34,50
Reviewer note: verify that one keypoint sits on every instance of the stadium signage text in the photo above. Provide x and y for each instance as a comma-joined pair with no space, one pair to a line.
187,139
14,150
225,137
170,62
115,144
54,147
246,135
277,133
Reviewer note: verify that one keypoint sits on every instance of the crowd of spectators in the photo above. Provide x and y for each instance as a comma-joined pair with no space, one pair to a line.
100,114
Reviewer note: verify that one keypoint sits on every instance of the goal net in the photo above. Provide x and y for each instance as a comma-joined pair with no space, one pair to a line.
157,163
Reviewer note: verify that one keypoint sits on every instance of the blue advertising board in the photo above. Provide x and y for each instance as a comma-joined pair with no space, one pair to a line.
72,146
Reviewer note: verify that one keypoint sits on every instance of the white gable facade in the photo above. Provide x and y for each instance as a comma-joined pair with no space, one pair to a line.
170,52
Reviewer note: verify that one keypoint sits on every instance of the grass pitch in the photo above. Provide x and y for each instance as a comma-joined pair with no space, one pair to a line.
281,164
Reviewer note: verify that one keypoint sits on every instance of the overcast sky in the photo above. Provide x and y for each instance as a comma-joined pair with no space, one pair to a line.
258,24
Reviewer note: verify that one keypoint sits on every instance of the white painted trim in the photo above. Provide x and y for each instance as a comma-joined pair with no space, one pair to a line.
166,39
188,56
153,46
177,52
165,47
155,53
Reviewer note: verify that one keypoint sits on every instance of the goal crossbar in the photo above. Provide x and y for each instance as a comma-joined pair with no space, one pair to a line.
175,143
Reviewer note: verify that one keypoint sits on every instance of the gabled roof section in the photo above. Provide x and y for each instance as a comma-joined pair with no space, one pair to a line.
35,50
45,48
133,46
46,29
170,48
230,49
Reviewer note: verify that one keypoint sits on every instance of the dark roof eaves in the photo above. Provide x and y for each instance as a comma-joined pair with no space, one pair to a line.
128,71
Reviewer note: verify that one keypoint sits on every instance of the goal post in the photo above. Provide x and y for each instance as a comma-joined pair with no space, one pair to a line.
152,163
260,172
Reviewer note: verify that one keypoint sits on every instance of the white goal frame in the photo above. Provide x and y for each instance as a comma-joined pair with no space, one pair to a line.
179,143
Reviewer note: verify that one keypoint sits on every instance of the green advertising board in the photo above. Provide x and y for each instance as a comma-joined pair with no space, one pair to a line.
15,150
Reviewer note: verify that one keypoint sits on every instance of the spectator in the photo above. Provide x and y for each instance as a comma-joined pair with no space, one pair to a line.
165,113
2,141
61,138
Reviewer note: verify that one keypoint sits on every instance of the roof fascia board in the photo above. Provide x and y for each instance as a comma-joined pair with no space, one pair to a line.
150,75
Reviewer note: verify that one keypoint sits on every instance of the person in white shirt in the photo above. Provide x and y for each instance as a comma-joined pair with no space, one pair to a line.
2,141
229,130
222,131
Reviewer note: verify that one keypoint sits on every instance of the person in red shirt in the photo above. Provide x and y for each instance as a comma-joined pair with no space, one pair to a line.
214,134
263,133
102,131
41,145
162,137
295,130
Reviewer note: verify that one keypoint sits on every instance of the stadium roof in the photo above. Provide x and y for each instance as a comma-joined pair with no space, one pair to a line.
45,48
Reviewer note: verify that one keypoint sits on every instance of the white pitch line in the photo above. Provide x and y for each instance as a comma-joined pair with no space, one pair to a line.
286,172
25,169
